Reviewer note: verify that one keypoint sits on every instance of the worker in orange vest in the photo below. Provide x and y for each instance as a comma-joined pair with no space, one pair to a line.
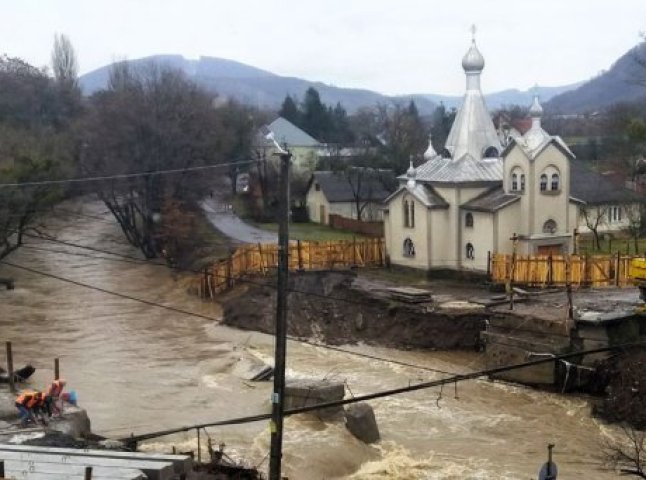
31,405
53,396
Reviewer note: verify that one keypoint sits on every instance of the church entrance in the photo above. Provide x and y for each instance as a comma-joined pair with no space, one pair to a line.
547,250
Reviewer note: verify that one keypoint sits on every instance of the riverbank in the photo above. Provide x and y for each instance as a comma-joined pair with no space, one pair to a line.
337,307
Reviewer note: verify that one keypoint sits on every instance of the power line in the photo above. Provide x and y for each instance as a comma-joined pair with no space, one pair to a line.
124,175
384,393
207,317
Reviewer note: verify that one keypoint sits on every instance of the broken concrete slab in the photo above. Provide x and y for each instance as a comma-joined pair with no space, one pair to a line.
302,393
361,422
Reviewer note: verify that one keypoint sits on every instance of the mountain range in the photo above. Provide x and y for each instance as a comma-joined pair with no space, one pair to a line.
624,81
265,89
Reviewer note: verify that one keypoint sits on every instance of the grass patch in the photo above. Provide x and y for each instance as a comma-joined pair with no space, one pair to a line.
313,232
612,245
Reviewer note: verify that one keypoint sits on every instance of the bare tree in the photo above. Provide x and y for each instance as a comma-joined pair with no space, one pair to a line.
594,217
149,120
64,63
635,216
627,454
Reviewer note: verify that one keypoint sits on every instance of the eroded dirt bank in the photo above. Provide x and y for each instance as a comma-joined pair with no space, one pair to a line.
337,309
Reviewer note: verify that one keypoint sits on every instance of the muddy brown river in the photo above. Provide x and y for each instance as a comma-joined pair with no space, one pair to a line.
140,368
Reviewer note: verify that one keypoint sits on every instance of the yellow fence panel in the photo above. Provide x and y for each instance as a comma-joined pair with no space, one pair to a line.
542,271
263,259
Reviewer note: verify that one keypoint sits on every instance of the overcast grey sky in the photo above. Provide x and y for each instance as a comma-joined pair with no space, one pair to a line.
405,46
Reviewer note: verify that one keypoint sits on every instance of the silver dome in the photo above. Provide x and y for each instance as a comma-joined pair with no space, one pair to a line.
473,61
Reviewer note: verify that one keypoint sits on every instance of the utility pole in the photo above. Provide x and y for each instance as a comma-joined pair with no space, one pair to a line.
277,397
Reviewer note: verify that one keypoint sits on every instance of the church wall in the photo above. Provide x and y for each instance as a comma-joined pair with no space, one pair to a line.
551,205
470,193
517,161
507,222
441,248
480,236
449,254
397,232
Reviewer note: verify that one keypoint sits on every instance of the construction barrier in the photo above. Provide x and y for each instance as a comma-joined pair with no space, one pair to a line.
263,258
543,271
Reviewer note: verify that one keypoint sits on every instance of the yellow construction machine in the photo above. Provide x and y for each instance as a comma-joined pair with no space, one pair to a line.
638,274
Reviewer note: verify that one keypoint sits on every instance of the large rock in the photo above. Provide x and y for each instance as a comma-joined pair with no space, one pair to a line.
302,393
360,421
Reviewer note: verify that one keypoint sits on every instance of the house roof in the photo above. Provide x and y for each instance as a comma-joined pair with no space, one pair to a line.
490,201
424,193
595,189
463,170
286,132
368,184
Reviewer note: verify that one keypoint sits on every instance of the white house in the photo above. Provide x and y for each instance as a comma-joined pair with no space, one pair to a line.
472,197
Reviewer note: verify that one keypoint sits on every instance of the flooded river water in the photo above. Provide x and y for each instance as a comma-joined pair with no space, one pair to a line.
140,368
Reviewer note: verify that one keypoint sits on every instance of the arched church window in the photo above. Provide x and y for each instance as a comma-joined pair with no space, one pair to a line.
514,182
522,182
406,217
409,248
412,214
491,152
549,226
555,181
468,220
543,182
470,253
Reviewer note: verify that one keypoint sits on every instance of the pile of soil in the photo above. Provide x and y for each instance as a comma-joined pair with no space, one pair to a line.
336,310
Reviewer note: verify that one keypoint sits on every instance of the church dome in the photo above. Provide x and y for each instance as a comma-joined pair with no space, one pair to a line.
473,61
411,175
536,110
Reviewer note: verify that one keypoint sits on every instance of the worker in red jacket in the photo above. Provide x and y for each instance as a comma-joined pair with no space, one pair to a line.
53,397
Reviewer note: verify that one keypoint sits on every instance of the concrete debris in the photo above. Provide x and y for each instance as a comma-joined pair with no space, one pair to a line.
360,421
302,393
409,295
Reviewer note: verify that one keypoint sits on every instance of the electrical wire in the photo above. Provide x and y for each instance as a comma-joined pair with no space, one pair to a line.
381,394
207,317
125,175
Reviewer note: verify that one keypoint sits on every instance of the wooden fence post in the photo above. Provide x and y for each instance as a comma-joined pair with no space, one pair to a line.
550,271
57,369
617,268
300,255
88,473
1,468
12,386
354,250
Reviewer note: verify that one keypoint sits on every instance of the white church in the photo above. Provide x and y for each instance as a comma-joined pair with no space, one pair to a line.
481,189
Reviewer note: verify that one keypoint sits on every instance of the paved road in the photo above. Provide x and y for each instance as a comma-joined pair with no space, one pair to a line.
228,223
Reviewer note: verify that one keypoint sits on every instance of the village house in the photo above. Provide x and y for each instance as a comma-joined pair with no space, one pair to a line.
355,193
303,147
468,201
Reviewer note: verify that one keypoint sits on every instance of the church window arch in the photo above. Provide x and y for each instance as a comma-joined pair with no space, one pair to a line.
406,217
470,251
517,180
543,182
409,213
549,226
555,182
408,248
491,152
468,220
